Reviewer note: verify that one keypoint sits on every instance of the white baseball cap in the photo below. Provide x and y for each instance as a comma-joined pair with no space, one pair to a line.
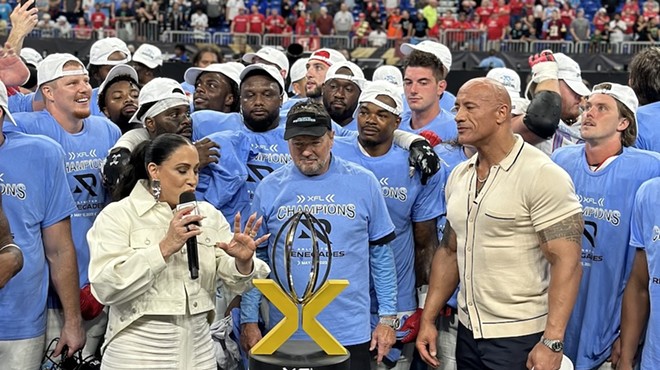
271,70
230,69
569,72
52,68
623,94
327,56
149,55
4,103
357,77
31,56
389,74
116,71
439,50
165,92
298,70
379,88
270,55
507,77
102,49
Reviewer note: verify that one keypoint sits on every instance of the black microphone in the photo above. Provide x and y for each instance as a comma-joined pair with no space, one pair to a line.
188,200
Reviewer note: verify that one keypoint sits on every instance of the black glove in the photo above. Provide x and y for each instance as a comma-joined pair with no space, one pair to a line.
423,158
114,166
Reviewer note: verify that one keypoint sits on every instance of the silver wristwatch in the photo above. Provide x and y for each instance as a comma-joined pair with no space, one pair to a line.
391,321
555,345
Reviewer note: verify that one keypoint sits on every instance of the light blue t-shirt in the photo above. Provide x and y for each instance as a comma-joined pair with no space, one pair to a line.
607,197
207,122
443,125
188,88
20,102
35,196
407,201
94,103
645,234
85,153
648,134
347,201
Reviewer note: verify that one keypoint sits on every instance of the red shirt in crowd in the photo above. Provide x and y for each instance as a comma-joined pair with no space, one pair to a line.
98,20
324,25
275,24
494,28
447,22
567,16
257,22
631,6
600,20
516,7
484,13
240,23
556,30
504,14
630,20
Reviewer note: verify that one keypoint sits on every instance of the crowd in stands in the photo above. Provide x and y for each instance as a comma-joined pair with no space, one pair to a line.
372,22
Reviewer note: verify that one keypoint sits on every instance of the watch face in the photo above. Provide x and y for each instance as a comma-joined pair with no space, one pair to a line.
557,346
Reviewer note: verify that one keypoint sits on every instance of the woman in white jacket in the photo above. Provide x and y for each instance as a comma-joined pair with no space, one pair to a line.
158,316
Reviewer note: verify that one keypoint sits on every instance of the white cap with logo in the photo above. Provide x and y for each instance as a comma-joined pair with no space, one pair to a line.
298,70
390,74
622,93
270,70
164,92
231,70
102,49
52,68
149,55
270,55
4,103
569,72
373,90
432,47
357,76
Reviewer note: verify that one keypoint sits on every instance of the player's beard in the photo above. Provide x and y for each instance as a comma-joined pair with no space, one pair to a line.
314,94
262,124
82,113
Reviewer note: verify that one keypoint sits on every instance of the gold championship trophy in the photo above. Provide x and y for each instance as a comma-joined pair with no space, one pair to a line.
275,351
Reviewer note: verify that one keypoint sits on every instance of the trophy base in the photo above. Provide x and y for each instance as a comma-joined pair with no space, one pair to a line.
296,354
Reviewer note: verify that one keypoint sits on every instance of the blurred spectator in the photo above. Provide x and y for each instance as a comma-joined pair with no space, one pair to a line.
457,39
491,61
233,7
617,29
530,23
639,29
241,22
206,56
653,31
504,13
650,9
372,6
286,9
361,29
199,22
580,27
300,8
420,26
63,27
484,10
82,30
343,21
601,19
72,10
495,30
374,20
556,28
107,7
447,21
176,18
391,5
430,13
394,24
539,17
98,18
88,9
599,40
305,25
406,24
46,25
378,37
213,11
630,19
516,7
54,8
179,54
468,7
632,6
257,21
5,10
567,14
324,22
547,11
275,23
520,32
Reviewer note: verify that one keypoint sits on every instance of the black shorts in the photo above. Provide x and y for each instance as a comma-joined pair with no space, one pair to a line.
494,354
360,356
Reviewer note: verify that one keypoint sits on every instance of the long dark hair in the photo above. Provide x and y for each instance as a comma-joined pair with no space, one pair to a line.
157,151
